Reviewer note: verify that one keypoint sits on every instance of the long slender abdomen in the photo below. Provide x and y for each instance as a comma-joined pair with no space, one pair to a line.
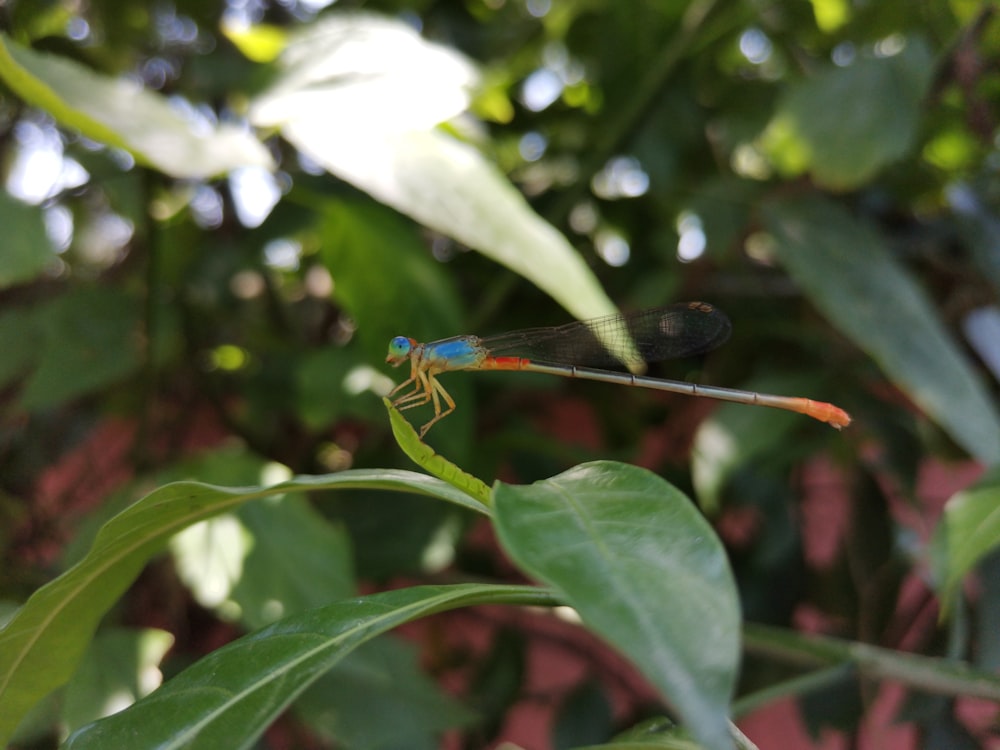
820,410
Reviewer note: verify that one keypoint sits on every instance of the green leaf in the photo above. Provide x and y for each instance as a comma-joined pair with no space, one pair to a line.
41,645
658,733
282,558
209,559
368,112
424,534
383,678
26,250
265,560
377,67
424,456
734,436
449,187
122,114
322,395
645,571
967,532
39,20
979,227
831,254
121,666
384,276
89,340
392,286
877,101
230,697
19,337
299,560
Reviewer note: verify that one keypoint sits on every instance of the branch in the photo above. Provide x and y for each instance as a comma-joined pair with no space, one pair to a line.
941,676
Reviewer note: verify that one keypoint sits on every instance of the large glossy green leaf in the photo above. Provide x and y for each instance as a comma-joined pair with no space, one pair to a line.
41,645
361,70
26,249
850,275
877,101
119,113
634,557
230,697
363,97
279,556
968,531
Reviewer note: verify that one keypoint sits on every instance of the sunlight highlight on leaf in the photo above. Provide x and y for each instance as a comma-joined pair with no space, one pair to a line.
123,114
364,96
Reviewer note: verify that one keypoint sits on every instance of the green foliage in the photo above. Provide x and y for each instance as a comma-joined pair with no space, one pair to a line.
624,548
826,251
216,215
120,114
44,640
26,253
114,665
423,456
966,534
846,151
88,332
390,147
232,695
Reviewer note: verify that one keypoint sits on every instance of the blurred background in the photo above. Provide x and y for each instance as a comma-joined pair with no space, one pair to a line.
826,172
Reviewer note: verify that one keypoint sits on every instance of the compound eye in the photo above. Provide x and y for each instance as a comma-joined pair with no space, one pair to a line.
399,348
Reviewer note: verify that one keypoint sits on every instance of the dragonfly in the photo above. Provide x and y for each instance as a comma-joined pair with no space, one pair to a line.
586,349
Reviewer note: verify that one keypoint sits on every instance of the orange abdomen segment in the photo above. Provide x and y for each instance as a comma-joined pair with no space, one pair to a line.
504,363
824,412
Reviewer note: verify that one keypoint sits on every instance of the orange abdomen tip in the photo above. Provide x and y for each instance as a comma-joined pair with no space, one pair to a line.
824,412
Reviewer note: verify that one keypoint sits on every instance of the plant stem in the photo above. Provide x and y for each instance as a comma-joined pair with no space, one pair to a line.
941,676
